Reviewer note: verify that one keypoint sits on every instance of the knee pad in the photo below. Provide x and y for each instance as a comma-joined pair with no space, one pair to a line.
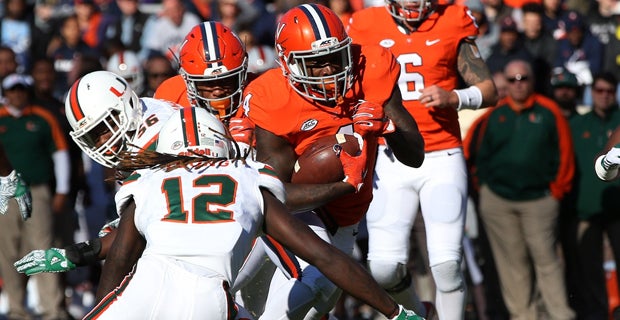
390,275
448,276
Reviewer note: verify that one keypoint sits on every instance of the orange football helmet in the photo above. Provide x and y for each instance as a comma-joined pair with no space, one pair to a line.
410,10
313,35
212,56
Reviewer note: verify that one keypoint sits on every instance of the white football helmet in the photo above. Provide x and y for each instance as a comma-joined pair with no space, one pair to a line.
194,131
127,65
102,103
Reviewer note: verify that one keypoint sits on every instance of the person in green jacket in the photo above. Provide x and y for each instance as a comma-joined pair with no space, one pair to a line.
595,202
522,158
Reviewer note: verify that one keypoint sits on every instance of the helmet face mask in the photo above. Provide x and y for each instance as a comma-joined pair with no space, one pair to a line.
311,37
212,56
409,11
229,84
104,114
194,132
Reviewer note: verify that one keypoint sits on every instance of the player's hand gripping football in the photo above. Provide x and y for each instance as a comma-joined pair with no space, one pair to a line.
369,118
612,158
12,186
354,166
50,260
405,314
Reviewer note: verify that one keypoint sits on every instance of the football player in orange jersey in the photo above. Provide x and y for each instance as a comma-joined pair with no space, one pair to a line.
326,85
434,44
213,72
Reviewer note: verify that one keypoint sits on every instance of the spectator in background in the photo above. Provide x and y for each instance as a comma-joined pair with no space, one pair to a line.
539,43
565,91
601,21
580,51
260,57
488,33
611,61
496,10
509,47
8,64
16,32
235,14
90,21
156,69
522,172
170,28
47,14
553,10
130,27
596,202
36,147
65,48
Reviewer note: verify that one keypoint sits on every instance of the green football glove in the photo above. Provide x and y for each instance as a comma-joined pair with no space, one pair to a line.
12,186
405,314
50,260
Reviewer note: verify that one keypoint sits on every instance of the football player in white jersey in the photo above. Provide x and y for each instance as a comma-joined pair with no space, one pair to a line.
106,117
190,218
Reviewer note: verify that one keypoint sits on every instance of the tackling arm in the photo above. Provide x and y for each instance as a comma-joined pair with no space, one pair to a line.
124,253
345,272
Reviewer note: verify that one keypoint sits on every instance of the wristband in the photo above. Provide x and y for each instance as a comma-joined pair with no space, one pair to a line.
84,253
469,98
603,173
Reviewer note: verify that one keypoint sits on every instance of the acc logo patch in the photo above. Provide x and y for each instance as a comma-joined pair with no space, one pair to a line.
387,43
309,124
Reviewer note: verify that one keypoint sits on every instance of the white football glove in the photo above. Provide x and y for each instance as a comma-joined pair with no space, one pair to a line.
612,158
12,186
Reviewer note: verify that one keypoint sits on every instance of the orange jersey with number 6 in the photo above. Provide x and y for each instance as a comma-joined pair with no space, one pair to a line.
427,56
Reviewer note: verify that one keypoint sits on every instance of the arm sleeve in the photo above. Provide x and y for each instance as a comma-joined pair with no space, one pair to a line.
62,171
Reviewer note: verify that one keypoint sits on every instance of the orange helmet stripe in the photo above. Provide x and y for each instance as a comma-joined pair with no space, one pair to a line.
78,114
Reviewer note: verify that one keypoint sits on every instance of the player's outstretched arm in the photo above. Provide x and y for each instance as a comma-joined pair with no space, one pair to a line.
123,254
68,258
345,272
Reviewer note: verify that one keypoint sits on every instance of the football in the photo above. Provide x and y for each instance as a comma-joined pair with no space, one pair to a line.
320,162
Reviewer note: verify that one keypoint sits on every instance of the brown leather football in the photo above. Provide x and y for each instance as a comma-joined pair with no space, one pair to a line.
320,162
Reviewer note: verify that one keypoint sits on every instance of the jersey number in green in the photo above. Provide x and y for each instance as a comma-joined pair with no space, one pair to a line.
225,195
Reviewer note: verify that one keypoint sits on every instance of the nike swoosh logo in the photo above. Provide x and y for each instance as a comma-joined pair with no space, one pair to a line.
432,42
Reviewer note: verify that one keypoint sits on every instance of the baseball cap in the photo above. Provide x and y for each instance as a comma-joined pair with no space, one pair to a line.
561,77
507,23
16,79
573,20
